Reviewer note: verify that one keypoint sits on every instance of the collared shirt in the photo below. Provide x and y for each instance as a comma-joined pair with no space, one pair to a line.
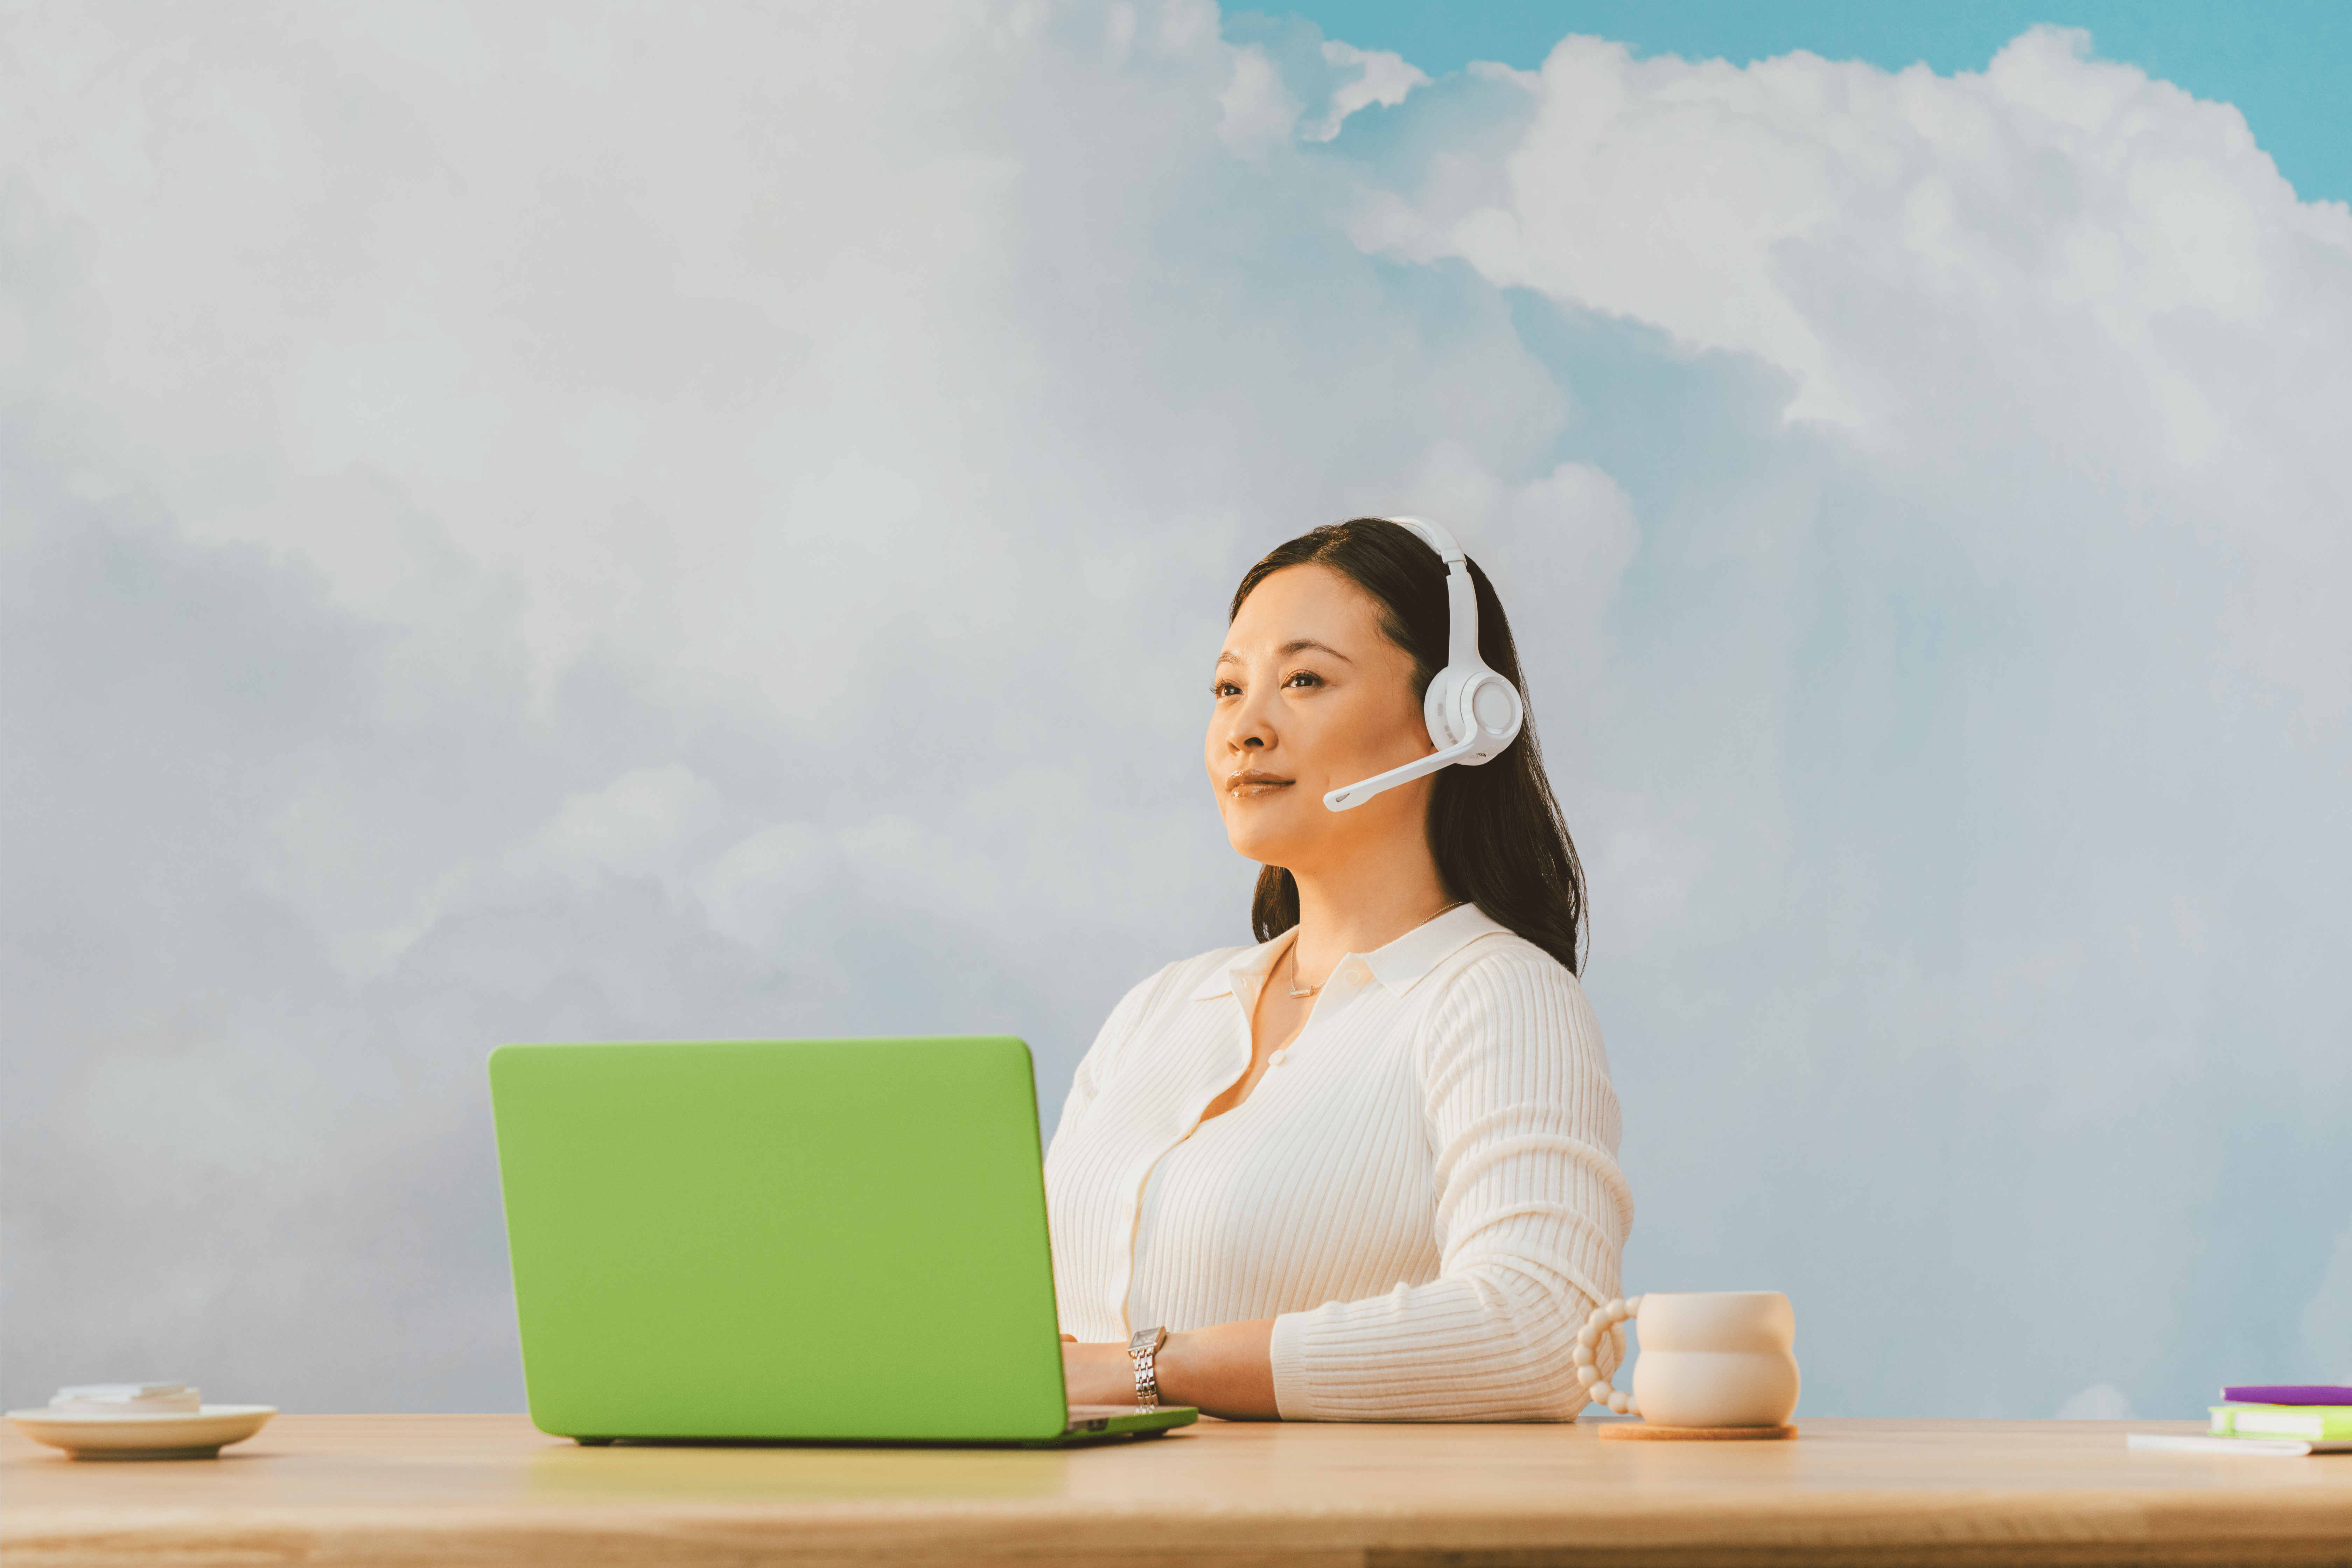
1423,1191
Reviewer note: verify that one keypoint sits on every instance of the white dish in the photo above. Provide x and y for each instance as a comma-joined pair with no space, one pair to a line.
178,1435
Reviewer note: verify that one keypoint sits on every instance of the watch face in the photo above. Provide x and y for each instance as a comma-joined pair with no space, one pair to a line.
1145,1339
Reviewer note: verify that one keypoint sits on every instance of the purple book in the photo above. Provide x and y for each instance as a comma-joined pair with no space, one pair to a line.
2289,1394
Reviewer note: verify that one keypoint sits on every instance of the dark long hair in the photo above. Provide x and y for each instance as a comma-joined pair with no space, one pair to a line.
1495,831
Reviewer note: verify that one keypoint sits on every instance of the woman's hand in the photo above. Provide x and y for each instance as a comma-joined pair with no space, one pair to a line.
1227,1371
1100,1374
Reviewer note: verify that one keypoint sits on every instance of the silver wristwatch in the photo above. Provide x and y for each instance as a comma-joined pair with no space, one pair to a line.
1142,1348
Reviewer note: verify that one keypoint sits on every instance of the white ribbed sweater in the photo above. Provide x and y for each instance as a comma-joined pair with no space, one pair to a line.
1424,1193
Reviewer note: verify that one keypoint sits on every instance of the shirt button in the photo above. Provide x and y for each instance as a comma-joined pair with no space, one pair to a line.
1279,1057
1356,976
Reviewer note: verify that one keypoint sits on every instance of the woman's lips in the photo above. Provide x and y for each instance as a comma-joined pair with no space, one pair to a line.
1249,784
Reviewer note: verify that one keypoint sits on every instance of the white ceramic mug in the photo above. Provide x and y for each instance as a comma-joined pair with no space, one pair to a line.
1709,1358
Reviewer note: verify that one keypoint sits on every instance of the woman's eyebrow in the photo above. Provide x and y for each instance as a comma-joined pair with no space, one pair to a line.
1295,646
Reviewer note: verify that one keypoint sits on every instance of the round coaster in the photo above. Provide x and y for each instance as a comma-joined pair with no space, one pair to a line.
1642,1432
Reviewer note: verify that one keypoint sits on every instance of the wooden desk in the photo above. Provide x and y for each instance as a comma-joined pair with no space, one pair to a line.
481,1489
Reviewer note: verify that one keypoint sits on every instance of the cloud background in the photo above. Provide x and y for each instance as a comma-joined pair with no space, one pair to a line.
593,521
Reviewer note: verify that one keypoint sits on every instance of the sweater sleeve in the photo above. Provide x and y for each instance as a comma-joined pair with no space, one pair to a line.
1531,1213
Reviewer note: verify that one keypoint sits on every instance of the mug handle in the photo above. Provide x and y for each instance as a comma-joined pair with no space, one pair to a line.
1604,1321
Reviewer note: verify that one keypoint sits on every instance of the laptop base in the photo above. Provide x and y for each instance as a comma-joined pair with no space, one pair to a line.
1089,1423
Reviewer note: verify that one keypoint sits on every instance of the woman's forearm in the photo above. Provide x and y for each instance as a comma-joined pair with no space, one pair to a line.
1227,1371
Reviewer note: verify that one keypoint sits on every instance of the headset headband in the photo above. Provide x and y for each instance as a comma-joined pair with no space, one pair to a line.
1472,712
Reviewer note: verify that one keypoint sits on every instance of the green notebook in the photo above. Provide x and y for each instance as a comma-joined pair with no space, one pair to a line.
821,1240
2314,1423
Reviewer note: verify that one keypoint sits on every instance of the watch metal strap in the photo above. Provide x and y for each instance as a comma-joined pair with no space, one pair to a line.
1143,1347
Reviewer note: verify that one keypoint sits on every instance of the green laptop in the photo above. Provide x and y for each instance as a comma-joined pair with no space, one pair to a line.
835,1241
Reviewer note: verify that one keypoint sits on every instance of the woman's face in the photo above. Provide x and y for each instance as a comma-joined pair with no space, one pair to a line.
1311,695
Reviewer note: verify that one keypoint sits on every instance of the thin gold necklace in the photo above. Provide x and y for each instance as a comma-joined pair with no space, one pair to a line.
1294,991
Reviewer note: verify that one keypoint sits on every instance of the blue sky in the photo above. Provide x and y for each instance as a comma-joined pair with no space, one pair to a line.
2285,64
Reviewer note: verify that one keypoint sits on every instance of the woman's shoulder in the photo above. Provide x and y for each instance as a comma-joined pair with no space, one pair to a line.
1503,954
1485,954
1154,1004
1173,985
1187,979
1500,975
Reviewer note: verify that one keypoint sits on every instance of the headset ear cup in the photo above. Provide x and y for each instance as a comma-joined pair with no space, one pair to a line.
1497,710
1504,714
1437,709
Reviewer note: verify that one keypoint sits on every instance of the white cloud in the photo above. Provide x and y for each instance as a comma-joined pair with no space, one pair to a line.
1259,112
534,523
1382,77
1779,209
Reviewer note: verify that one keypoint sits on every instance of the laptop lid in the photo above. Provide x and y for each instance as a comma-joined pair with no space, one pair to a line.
828,1240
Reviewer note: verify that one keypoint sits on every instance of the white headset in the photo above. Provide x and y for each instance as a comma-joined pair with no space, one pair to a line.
1474,714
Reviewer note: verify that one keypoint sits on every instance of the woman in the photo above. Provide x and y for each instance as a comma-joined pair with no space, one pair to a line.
1366,1170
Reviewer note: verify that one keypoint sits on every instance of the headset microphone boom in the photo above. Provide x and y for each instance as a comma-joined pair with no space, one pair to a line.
1473,713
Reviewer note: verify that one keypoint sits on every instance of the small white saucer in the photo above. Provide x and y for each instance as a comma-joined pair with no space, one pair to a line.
175,1435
